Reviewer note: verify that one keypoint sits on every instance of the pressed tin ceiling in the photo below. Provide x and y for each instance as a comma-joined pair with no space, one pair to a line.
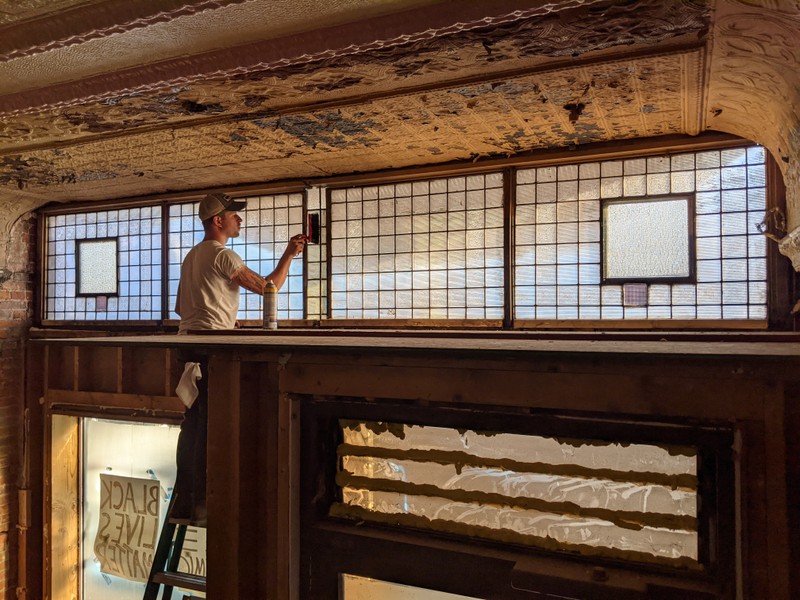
191,95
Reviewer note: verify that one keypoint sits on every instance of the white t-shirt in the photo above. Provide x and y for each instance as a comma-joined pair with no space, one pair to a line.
207,298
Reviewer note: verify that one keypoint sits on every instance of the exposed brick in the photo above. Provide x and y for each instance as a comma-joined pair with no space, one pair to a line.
15,312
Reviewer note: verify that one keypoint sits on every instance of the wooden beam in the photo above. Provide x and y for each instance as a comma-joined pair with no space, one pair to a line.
114,400
31,557
559,389
229,526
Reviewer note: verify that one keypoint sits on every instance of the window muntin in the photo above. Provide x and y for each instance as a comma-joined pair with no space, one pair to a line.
316,259
647,239
138,234
267,224
97,272
558,263
420,250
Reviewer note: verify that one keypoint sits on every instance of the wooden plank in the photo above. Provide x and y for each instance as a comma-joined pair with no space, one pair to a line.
753,511
224,480
792,426
76,368
31,552
146,371
777,522
479,345
120,366
114,400
64,515
61,371
250,527
279,489
288,505
169,356
98,369
269,488
658,396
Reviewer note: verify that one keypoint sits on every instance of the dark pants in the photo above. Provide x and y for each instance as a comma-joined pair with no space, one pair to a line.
190,483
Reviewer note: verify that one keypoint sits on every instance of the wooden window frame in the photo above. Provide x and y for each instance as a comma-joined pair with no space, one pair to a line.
780,276
476,567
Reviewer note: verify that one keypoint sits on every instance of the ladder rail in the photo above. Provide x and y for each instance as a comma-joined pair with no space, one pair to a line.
167,557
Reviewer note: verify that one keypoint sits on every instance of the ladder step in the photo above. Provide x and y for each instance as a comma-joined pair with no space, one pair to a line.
182,580
187,522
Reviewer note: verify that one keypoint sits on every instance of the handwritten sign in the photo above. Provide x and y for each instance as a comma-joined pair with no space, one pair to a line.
129,527
128,530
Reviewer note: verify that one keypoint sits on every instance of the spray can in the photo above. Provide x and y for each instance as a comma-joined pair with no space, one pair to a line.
270,306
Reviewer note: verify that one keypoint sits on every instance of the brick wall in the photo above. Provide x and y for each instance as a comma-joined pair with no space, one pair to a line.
16,302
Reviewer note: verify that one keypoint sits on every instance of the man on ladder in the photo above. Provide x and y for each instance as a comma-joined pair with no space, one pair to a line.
208,299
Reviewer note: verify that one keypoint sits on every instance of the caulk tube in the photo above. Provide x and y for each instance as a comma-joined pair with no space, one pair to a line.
270,306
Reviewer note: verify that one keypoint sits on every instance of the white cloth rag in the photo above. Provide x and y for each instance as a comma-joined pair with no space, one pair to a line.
187,387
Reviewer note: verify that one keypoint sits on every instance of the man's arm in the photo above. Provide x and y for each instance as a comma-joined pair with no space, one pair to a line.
250,280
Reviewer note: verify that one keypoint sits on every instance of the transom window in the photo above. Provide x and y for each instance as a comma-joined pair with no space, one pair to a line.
670,237
421,250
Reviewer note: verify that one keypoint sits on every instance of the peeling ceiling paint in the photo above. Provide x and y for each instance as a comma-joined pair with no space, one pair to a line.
438,83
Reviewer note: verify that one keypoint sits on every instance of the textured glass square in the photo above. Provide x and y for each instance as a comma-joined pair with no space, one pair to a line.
709,271
708,202
647,239
733,156
97,267
567,191
658,183
546,174
683,181
611,187
734,178
526,176
635,185
588,189
708,180
611,168
589,170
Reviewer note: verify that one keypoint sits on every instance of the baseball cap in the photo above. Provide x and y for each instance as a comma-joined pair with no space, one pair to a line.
213,204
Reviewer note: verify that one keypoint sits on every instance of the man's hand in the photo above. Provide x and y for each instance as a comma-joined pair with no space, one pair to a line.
296,245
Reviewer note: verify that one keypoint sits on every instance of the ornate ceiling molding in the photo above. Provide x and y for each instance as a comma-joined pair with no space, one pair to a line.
571,28
621,99
88,22
754,91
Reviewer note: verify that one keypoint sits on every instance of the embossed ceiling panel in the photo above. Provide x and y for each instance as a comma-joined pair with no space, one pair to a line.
12,11
754,90
612,100
492,85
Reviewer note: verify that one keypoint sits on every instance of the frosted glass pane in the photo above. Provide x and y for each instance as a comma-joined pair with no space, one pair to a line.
646,239
142,454
97,267
364,588
531,488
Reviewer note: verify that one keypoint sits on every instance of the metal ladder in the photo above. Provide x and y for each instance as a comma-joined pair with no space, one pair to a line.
167,558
